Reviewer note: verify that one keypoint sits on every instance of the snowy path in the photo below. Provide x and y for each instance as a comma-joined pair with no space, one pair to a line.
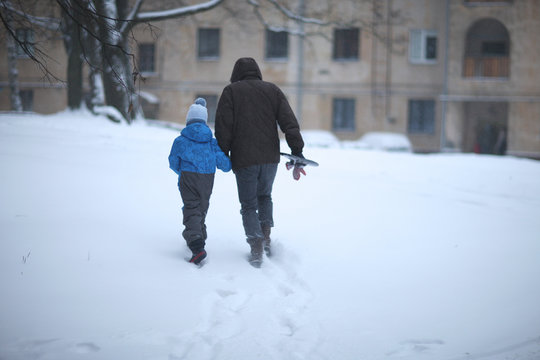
269,320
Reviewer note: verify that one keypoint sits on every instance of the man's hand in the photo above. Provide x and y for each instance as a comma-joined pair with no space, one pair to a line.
298,169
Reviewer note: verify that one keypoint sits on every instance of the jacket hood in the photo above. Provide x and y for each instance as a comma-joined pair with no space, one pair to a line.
198,131
245,68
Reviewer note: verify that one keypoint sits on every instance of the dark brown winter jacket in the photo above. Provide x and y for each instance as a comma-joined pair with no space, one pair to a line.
247,118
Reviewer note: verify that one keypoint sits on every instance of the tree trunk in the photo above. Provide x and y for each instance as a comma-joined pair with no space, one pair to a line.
74,72
13,73
97,95
72,42
117,80
93,54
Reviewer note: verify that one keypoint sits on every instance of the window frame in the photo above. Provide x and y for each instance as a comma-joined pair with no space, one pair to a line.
346,121
341,43
421,126
142,69
26,36
206,53
27,99
418,46
271,38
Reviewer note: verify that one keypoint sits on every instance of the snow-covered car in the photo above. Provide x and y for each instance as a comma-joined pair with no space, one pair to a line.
320,138
387,141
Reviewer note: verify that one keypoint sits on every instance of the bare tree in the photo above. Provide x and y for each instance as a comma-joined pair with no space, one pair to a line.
14,18
98,33
111,22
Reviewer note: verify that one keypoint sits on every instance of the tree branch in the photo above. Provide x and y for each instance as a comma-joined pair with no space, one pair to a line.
47,23
124,29
293,16
177,12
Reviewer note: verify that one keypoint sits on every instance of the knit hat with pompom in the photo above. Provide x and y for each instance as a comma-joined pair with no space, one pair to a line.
197,112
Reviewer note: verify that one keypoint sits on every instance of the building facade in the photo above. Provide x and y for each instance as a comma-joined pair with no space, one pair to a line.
453,75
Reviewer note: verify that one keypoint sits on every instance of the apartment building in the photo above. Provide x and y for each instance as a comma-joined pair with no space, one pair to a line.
453,75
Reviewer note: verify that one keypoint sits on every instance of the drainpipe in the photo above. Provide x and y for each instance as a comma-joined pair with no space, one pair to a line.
445,79
300,65
388,79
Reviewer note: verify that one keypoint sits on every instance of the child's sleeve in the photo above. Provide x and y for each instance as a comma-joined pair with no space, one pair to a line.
174,159
222,161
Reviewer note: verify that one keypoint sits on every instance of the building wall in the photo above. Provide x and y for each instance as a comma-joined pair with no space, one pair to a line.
524,129
382,81
49,91
521,90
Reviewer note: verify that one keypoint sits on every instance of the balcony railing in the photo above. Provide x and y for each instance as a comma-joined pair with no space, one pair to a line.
487,67
487,1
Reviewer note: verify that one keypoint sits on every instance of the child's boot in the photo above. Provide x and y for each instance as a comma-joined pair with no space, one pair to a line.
198,257
197,249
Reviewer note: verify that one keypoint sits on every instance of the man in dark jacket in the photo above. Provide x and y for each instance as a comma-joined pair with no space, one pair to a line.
247,116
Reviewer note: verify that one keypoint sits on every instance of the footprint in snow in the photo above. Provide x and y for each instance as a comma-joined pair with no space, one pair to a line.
299,333
86,348
268,318
412,347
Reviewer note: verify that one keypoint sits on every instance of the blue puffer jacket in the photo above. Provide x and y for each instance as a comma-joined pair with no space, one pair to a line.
196,150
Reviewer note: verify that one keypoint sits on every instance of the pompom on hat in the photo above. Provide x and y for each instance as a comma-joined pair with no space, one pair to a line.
197,112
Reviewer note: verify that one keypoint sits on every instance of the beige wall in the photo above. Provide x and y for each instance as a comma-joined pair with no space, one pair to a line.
49,91
524,129
382,82
521,89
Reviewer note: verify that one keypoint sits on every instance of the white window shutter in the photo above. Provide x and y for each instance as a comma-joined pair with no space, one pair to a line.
415,46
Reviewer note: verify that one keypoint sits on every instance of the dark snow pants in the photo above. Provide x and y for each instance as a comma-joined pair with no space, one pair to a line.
255,194
195,190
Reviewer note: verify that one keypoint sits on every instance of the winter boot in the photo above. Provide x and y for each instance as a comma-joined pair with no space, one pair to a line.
256,256
266,233
198,256
197,249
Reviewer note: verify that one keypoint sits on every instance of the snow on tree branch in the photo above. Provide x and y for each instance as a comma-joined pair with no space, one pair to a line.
132,15
269,26
298,17
177,12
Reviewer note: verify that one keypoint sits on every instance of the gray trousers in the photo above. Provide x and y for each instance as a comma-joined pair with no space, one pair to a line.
255,194
195,190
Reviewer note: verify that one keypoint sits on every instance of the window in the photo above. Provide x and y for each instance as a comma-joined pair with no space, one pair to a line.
494,48
146,58
277,44
343,118
25,42
208,47
423,47
27,99
421,117
346,44
211,106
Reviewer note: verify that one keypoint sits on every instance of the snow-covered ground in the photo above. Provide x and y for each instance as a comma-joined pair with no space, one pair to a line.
378,255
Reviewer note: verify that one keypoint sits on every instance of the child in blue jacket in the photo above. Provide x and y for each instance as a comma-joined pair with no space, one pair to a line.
194,156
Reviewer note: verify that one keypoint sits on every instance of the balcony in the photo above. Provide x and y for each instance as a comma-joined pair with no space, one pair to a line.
486,67
487,2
